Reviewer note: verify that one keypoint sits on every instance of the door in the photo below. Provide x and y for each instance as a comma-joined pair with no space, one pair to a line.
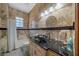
11,34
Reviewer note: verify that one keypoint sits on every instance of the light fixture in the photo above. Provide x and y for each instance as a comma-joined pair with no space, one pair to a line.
42,14
59,5
46,12
51,9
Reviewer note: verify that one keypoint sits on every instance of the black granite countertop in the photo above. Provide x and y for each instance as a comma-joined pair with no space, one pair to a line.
46,47
52,45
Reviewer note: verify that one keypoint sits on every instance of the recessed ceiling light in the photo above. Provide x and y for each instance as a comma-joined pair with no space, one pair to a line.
59,5
51,9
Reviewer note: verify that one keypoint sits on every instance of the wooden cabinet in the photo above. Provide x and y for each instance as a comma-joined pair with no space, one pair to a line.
52,53
36,50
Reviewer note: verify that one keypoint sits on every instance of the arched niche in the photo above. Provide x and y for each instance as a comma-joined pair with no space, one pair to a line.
51,21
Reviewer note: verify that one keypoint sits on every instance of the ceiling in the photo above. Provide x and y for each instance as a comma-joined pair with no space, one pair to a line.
24,7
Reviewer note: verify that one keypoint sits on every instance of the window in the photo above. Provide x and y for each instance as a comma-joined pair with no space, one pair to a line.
19,22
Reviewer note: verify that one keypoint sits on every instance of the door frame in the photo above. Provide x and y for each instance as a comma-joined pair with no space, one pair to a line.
77,30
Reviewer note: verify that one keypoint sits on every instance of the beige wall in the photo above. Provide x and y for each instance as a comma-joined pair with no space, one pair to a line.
11,13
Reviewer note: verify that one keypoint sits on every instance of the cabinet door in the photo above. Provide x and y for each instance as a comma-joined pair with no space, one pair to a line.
40,51
31,50
36,50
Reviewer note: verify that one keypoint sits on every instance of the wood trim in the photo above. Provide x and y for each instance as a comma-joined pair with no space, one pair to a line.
3,28
77,31
49,28
54,28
